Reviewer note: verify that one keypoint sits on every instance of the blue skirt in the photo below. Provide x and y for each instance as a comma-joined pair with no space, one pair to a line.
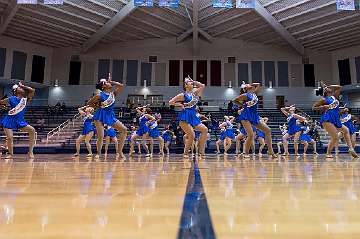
293,130
222,135
351,128
87,130
243,131
260,134
305,137
154,133
331,117
251,116
229,133
105,116
110,133
13,122
189,116
197,134
143,130
166,138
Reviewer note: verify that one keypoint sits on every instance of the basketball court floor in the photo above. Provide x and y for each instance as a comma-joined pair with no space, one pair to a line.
58,197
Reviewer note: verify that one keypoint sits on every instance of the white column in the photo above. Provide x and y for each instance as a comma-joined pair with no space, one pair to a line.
96,71
194,69
124,73
153,77
48,70
139,74
28,66
236,78
111,65
8,63
250,72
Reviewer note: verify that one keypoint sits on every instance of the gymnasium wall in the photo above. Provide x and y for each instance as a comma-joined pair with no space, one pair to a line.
353,54
129,63
216,96
23,52
168,49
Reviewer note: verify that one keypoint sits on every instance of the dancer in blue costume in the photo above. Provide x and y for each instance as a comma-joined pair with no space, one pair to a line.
221,138
306,139
143,132
348,120
133,132
110,136
154,133
228,134
330,118
105,114
249,117
188,120
88,130
294,130
260,136
283,129
241,137
203,119
14,120
168,136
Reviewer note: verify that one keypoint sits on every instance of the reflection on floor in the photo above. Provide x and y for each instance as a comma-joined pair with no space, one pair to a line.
56,196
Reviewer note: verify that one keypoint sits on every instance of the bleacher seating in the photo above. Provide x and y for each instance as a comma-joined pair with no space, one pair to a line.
65,140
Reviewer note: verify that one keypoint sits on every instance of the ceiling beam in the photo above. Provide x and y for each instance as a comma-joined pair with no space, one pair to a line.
311,20
226,19
140,29
100,3
206,35
7,15
270,3
195,21
278,27
49,24
332,29
307,11
39,28
86,9
157,27
35,12
71,14
162,19
331,35
326,24
338,40
184,35
290,6
217,11
107,27
248,31
235,26
188,32
353,43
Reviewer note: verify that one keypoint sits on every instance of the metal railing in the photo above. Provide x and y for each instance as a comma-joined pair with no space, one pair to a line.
59,129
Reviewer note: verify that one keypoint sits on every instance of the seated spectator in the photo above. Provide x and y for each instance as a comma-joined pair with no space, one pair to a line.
40,123
230,106
63,108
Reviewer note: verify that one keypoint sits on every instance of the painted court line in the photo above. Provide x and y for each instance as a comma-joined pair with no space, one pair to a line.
195,218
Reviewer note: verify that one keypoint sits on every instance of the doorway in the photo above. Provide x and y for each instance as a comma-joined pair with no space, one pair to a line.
280,101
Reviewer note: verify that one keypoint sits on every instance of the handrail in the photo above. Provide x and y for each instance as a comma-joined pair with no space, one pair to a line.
58,129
